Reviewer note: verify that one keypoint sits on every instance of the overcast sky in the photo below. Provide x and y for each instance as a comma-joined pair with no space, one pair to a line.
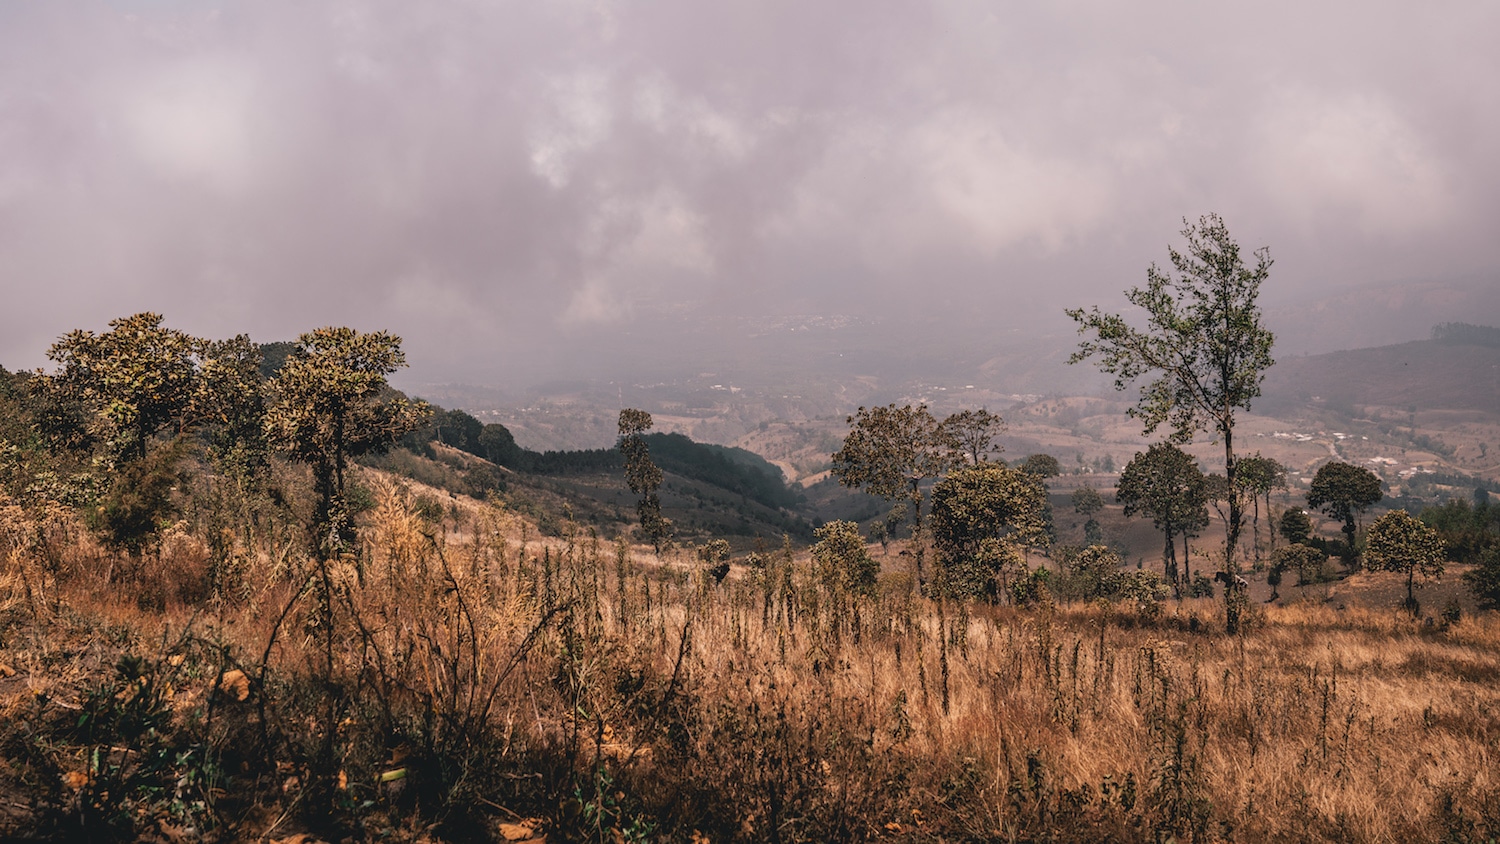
496,181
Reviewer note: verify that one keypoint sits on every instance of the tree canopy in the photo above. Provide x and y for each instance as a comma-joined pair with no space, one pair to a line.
1400,542
137,379
329,403
1166,484
643,476
841,561
983,518
1342,491
974,433
1041,465
890,450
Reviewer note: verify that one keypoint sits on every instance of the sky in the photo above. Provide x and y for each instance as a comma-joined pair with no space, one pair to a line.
513,187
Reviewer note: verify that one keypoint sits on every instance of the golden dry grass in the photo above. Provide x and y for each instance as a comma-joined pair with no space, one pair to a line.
618,696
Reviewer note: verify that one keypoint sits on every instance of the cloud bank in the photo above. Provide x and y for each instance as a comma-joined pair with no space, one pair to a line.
513,186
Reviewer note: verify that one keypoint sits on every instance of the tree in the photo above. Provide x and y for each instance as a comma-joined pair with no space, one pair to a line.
1087,502
974,432
643,476
1258,476
499,446
842,563
1306,560
714,554
1398,541
1203,341
983,519
1166,484
890,451
1484,579
1296,527
1041,465
330,402
460,430
1091,572
137,379
1343,491
230,405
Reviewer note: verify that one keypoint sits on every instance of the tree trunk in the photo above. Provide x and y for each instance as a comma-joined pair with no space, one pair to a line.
1169,567
1232,598
916,533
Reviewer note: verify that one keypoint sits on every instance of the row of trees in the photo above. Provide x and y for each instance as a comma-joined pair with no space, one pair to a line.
110,428
1205,353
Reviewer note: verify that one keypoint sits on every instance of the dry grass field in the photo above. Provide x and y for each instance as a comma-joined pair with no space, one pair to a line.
462,679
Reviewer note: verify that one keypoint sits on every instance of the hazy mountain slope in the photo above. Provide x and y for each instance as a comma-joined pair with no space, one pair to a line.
1427,374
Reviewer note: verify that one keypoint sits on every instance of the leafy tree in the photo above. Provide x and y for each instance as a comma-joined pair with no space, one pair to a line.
1166,484
642,476
890,451
1087,501
1258,477
1307,561
1398,541
1093,533
842,562
983,519
136,505
714,555
1203,342
1091,572
1295,527
138,378
1467,531
273,355
460,430
499,446
974,432
1484,579
1273,580
330,402
230,405
1343,491
1041,465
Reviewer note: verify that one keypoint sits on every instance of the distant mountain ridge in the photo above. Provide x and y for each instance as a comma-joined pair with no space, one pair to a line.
1438,374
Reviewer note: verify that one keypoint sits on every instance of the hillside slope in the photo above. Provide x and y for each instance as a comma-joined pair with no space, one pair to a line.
1429,374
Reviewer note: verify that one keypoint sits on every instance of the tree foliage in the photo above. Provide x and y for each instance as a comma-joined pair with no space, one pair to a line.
1087,501
643,476
1041,465
330,402
974,433
890,450
1307,561
1400,542
1468,530
230,405
1203,342
1166,484
1484,579
983,519
1258,476
1343,491
1295,527
136,379
841,561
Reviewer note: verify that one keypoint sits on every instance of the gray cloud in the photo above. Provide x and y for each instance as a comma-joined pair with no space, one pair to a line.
513,186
